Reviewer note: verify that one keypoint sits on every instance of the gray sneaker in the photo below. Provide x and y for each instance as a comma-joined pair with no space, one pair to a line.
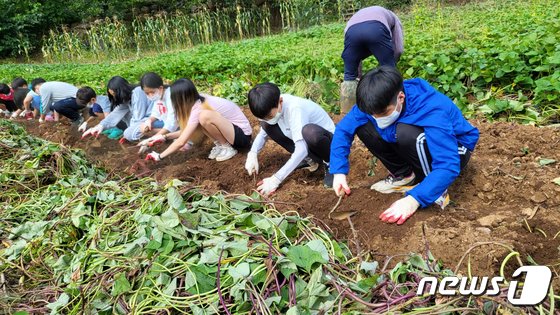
308,164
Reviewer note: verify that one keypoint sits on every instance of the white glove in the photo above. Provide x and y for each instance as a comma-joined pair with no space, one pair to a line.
400,210
14,115
252,163
268,185
23,113
153,156
82,127
153,140
41,120
95,131
340,185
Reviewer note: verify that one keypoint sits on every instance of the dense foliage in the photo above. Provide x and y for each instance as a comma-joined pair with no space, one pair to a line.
25,22
473,55
75,241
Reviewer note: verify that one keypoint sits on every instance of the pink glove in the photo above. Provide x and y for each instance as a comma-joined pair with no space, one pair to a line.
400,210
340,184
154,156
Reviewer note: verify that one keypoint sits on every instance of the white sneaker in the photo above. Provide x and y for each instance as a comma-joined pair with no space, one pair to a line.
443,200
226,153
216,150
394,184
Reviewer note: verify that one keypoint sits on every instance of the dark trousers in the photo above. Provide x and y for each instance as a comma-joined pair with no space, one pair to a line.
68,108
317,138
409,154
363,40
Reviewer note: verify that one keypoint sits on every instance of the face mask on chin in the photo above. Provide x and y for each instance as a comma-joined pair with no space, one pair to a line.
384,122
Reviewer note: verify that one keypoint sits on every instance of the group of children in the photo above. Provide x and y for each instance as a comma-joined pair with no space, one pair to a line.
418,134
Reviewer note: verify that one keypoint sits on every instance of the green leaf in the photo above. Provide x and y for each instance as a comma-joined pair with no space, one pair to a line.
202,276
170,218
319,246
368,283
544,162
304,257
418,262
369,267
240,271
556,180
174,198
121,285
287,267
77,213
62,301
293,311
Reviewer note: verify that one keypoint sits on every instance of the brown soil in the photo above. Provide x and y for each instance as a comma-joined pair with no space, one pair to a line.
503,186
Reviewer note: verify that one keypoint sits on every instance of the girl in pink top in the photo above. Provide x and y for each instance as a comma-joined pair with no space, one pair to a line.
220,119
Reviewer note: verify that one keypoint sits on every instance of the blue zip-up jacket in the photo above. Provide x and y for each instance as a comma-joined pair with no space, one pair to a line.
444,126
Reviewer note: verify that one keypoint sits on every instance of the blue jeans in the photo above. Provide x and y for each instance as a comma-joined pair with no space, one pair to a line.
363,40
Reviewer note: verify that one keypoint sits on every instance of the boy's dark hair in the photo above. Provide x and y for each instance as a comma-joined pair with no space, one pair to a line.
151,80
378,89
4,89
18,82
84,95
37,81
263,98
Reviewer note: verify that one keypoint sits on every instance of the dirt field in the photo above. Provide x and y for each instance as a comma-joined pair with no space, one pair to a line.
503,189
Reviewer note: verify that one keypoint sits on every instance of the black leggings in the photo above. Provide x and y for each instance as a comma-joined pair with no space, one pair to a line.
409,154
317,138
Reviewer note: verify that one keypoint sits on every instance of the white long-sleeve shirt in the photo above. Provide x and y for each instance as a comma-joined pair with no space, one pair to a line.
134,112
296,113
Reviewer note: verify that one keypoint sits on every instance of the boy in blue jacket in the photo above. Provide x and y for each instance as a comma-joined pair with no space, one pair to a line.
418,134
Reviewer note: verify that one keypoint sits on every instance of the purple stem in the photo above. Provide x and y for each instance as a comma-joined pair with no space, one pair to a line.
220,296
292,290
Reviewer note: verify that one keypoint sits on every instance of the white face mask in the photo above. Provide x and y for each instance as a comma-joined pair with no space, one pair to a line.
384,122
155,97
275,119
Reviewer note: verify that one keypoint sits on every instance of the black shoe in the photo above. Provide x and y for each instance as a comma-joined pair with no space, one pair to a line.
328,179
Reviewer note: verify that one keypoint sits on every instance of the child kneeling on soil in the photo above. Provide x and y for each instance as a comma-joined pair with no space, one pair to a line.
32,101
300,126
162,116
418,134
220,119
98,105
59,98
129,104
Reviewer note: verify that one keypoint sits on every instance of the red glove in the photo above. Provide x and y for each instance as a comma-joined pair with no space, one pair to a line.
400,210
154,156
122,141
